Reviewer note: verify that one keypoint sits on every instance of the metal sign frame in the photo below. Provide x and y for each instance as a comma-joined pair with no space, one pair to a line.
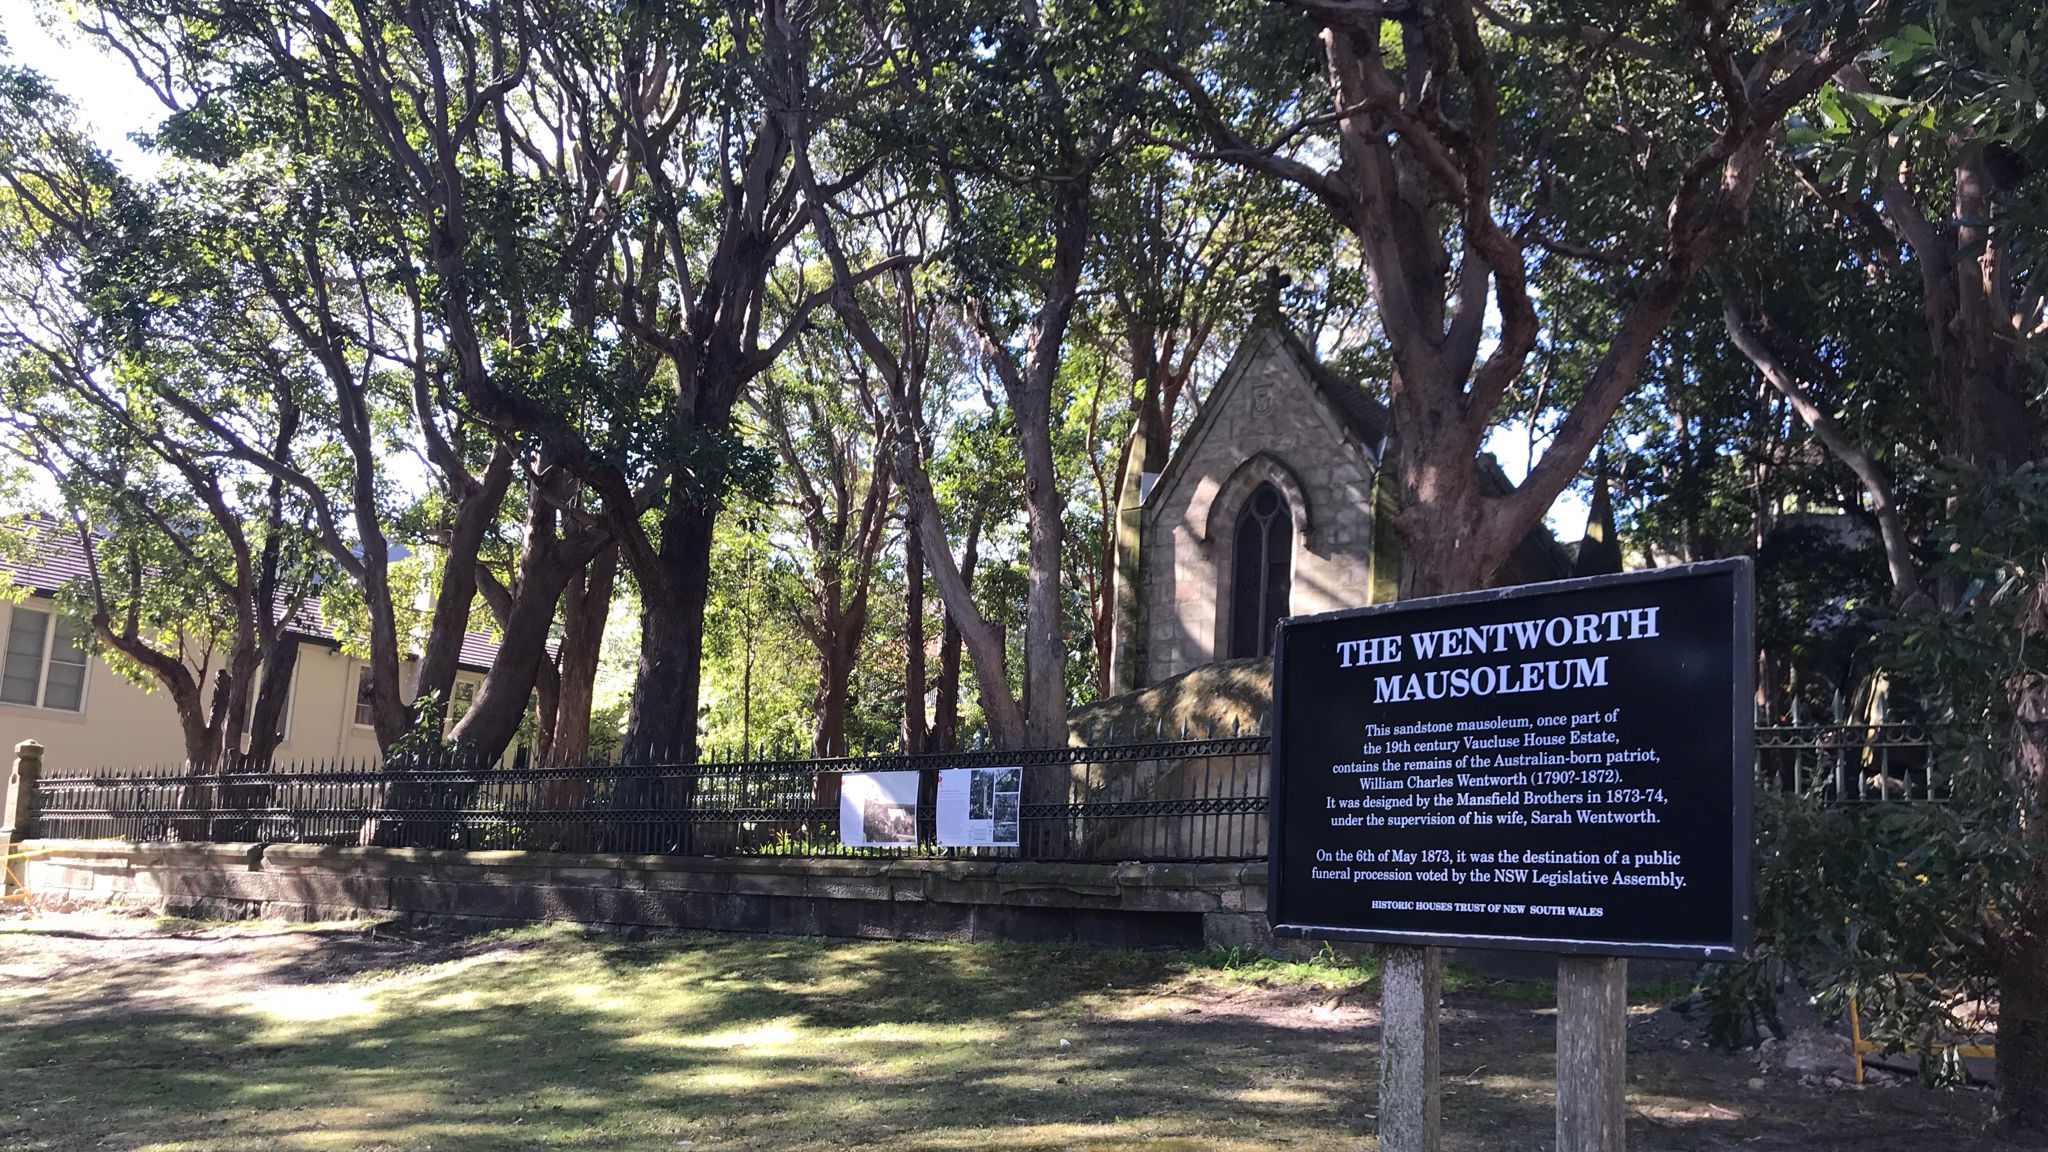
1742,719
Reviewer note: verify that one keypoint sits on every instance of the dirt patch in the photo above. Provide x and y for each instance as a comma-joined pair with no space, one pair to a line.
83,965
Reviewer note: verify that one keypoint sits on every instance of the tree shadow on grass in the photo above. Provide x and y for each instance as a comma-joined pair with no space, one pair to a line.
559,1040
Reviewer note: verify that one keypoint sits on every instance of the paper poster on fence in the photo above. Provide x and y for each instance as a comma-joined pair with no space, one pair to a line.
979,807
877,809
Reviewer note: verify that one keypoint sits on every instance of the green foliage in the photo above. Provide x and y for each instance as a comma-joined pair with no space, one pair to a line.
1898,903
759,670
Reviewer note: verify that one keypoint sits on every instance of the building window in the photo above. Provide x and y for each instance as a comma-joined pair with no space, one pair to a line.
1261,572
460,697
366,715
46,661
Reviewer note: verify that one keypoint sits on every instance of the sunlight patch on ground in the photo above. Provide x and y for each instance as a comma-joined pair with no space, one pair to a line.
1681,1110
1281,1096
904,1034
312,1003
768,1035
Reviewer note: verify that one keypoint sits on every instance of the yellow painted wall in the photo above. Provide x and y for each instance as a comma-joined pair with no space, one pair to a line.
121,724
124,725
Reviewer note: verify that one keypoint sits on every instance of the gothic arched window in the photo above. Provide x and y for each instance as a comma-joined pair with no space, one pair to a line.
1261,571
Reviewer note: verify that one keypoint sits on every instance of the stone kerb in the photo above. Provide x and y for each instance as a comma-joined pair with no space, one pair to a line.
1220,903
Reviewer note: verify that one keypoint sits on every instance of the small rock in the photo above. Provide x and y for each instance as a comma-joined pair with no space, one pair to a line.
1756,1082
1812,1051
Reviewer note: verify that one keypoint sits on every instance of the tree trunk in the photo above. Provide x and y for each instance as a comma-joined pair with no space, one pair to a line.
835,677
663,723
493,719
1977,373
388,714
2022,946
1102,613
1437,559
2022,1061
829,739
272,696
234,688
1030,385
1110,595
1045,650
1155,417
1980,380
586,605
946,708
916,732
476,512
983,640
200,748
526,614
835,672
547,705
946,702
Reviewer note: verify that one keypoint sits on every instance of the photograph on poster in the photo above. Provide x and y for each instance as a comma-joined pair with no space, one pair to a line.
878,809
884,823
978,807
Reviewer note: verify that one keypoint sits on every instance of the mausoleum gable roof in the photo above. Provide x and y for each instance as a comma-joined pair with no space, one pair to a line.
1365,418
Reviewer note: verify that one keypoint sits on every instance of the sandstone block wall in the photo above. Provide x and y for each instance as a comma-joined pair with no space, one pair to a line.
1125,905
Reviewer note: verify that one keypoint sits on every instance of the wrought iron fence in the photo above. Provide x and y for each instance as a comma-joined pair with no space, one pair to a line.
1850,763
1188,799
1164,800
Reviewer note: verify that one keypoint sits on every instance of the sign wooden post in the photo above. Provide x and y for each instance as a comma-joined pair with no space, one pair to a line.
1592,1042
1411,1100
1560,767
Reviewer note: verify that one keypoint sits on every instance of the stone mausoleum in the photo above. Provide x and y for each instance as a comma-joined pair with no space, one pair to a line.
1274,504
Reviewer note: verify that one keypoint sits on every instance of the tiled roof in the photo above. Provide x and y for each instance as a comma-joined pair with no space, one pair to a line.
54,559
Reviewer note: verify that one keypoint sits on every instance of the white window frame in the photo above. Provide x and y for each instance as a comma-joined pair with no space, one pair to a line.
355,702
51,617
455,688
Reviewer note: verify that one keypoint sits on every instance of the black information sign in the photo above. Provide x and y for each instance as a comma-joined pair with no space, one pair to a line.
1559,767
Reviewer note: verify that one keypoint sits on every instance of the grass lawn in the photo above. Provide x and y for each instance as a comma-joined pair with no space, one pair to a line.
138,1034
